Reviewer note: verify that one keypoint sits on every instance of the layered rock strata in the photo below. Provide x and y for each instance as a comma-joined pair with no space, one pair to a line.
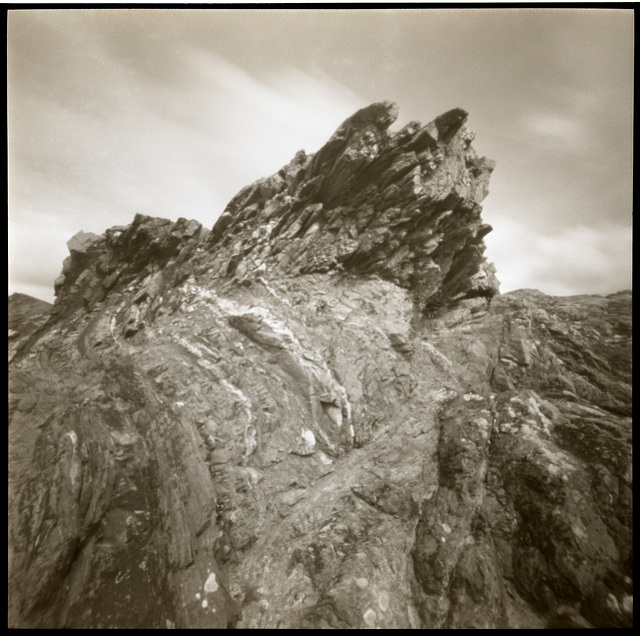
320,414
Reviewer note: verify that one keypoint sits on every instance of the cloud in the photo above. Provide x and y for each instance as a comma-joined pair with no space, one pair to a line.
259,123
560,131
576,260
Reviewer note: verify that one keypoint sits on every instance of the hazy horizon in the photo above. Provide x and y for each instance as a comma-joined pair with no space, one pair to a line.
171,112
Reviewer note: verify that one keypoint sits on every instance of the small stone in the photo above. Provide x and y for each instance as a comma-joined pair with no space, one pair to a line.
307,444
612,603
211,584
370,617
309,437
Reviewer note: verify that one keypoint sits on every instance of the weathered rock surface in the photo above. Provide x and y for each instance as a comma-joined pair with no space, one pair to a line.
320,414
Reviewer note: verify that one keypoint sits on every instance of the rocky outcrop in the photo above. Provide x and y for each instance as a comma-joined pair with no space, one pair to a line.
320,414
403,206
150,249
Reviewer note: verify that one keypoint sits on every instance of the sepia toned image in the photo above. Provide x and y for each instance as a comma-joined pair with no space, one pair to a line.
320,318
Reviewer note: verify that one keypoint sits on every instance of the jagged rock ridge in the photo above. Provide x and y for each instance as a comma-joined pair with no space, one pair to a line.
319,414
405,206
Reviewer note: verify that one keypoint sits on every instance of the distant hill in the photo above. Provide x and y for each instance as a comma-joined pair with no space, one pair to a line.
26,314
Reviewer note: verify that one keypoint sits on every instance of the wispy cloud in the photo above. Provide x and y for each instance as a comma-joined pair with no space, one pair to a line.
557,130
184,150
257,124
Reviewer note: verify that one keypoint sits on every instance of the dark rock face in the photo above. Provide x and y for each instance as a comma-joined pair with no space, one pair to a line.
320,414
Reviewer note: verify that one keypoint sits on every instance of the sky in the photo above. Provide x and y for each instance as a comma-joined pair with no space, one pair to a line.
171,112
